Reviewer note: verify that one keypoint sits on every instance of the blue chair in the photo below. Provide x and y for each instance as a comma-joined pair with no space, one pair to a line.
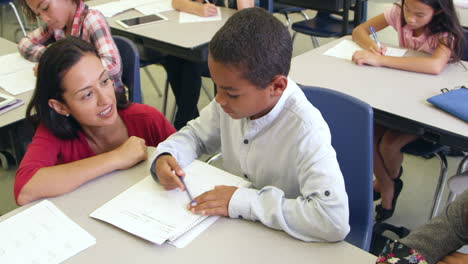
465,48
351,126
131,67
332,19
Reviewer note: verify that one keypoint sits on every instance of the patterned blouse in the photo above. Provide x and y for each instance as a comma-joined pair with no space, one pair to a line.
89,25
395,252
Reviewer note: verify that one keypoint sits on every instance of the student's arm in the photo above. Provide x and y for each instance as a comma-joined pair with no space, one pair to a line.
443,234
361,34
95,26
38,176
241,4
199,136
34,44
195,7
430,65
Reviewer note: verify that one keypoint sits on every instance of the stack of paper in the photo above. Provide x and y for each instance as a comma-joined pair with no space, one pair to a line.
155,7
149,211
113,8
41,234
18,77
346,48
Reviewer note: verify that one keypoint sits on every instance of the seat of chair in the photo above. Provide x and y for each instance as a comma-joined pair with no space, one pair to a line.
282,8
322,25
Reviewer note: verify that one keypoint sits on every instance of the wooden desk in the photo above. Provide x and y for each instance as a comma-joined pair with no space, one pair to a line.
398,97
226,241
18,113
187,40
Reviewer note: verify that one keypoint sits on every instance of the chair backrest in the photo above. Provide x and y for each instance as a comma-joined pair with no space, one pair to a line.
130,67
465,47
351,126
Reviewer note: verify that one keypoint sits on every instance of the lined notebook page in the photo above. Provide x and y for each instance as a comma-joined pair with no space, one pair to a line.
346,48
149,211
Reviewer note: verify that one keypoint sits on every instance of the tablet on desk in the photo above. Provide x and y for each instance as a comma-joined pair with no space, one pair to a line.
140,21
6,100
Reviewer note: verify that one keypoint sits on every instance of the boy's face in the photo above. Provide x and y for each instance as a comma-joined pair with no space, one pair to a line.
238,97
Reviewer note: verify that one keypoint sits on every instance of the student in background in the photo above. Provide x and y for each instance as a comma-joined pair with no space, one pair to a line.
64,18
434,242
83,131
267,132
185,76
430,26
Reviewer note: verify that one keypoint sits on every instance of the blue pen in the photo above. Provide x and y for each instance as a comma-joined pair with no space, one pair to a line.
371,28
192,201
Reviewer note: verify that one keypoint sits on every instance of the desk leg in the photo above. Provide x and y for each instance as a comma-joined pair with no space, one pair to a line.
440,185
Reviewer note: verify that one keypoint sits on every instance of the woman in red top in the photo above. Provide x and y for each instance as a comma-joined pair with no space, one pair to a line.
82,130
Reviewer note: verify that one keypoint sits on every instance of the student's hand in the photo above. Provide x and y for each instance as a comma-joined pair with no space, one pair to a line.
132,151
454,258
362,57
374,48
168,172
214,202
207,10
35,69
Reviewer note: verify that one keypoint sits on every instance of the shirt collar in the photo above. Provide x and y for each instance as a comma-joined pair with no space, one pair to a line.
259,123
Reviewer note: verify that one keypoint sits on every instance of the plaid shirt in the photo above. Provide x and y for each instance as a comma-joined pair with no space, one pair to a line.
89,25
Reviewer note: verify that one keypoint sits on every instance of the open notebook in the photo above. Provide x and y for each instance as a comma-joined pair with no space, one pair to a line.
346,48
149,211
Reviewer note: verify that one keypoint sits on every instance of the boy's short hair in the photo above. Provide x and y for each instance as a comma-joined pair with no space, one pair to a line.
255,42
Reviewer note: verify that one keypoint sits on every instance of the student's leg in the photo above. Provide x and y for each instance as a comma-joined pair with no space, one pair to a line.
380,171
390,149
184,77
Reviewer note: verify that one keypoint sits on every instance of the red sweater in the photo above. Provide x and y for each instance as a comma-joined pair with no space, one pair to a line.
48,150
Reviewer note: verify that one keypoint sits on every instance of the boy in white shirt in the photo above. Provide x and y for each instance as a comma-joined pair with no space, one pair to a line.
267,132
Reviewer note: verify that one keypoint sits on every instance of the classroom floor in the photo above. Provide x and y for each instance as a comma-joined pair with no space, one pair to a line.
420,175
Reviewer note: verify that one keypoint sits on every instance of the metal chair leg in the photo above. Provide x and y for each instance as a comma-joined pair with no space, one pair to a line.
18,17
305,15
440,184
166,94
315,42
153,82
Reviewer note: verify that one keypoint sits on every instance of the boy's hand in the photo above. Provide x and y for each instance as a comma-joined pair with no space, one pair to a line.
214,202
168,172
366,57
454,258
132,151
207,10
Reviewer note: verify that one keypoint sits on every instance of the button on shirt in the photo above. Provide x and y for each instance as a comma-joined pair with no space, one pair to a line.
287,154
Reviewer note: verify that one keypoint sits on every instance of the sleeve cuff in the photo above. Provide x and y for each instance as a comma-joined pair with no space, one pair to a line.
240,203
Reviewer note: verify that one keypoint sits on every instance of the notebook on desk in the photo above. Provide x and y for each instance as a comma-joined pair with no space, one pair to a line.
8,103
149,211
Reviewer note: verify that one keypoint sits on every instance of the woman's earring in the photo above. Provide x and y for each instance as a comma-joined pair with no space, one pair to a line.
67,115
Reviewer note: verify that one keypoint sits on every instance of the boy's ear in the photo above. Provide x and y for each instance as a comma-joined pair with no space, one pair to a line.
278,85
59,107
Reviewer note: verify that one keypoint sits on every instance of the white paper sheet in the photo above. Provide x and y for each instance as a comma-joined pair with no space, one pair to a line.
14,62
148,211
18,82
346,48
41,234
155,7
461,3
191,18
113,8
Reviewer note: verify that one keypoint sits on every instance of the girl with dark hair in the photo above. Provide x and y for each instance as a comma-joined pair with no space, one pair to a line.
64,18
82,130
429,26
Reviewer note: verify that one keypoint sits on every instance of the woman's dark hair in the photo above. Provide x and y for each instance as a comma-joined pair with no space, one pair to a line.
445,19
28,11
255,42
53,65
